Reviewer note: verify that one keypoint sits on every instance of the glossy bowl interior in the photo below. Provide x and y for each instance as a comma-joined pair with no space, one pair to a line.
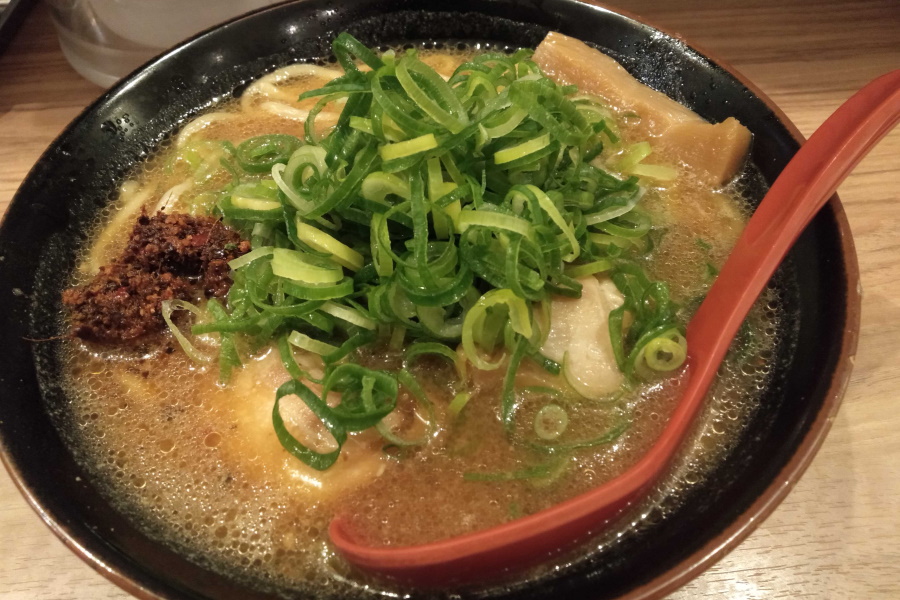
75,178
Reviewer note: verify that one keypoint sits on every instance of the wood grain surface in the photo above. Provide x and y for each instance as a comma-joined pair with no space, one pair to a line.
837,536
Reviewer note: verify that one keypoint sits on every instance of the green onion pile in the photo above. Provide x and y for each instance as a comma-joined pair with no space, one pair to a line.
434,214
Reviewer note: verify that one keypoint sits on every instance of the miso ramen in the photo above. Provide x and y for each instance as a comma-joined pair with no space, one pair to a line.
439,292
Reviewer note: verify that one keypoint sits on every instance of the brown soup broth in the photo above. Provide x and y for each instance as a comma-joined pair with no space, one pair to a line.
197,465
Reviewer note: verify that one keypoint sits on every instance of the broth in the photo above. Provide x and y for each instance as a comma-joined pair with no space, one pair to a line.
203,470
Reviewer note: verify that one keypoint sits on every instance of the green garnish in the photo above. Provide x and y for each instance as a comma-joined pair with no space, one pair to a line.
551,422
436,212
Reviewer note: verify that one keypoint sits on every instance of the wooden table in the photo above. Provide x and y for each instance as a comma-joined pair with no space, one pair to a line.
838,533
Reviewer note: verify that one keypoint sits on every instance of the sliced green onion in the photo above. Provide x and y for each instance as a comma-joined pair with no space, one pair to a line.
507,121
519,318
304,342
421,348
306,162
259,154
660,172
633,155
665,353
323,242
615,431
408,148
351,315
292,264
507,394
246,259
591,268
362,124
376,186
493,220
254,203
536,472
550,422
170,306
318,291
422,400
228,354
434,96
301,204
547,205
614,206
459,402
289,362
317,460
521,150
367,396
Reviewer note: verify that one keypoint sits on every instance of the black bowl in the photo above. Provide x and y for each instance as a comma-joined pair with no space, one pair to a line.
47,220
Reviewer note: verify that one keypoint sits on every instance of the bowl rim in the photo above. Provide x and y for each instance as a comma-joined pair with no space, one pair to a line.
690,566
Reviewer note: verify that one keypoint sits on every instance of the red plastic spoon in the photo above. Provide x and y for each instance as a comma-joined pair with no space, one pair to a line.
801,190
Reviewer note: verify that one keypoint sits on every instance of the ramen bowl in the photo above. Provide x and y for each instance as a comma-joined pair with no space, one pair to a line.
50,216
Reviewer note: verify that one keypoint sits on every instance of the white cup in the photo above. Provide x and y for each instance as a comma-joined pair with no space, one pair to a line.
105,40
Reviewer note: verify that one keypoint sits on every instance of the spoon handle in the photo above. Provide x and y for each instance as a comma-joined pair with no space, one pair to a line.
804,186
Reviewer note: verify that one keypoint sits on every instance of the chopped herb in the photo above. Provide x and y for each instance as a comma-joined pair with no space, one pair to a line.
435,213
